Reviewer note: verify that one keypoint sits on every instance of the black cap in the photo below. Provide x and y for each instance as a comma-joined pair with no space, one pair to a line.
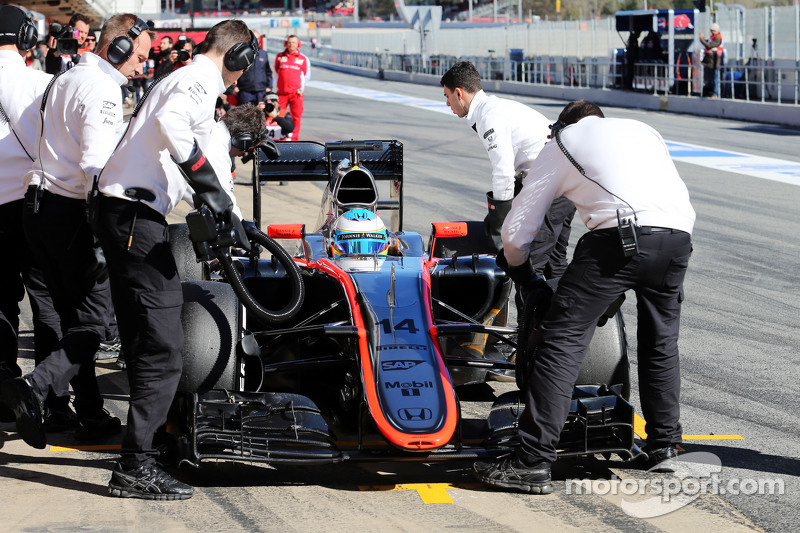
11,20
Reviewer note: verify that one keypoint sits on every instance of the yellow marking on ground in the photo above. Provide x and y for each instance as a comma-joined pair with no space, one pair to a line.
429,492
638,428
86,448
713,437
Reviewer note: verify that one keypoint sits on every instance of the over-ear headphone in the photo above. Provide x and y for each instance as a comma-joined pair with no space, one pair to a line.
247,141
120,48
28,35
241,55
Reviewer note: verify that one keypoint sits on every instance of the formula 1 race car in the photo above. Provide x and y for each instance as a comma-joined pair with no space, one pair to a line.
358,343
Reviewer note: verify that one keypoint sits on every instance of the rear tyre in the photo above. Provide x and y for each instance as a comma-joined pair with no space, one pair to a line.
606,362
182,250
212,322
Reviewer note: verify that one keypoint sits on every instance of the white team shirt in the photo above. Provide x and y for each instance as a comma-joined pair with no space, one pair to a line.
178,110
626,157
21,91
82,125
512,133
218,154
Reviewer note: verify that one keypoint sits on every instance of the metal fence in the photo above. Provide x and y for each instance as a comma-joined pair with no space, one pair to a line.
757,80
762,51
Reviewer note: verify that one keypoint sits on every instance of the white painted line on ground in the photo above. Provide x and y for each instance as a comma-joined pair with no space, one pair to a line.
749,165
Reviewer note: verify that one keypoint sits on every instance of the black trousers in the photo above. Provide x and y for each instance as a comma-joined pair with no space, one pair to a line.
18,273
596,276
62,243
146,292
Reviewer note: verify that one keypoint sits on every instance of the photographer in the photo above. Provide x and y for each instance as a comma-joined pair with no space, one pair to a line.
179,56
64,43
278,121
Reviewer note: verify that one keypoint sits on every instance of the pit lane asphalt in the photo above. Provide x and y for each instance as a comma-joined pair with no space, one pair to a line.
738,340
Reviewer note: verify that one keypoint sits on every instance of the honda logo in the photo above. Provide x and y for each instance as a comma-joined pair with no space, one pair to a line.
415,413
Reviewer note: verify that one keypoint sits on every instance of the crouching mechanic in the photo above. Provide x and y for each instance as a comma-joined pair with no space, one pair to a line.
165,144
614,170
80,125
512,134
239,133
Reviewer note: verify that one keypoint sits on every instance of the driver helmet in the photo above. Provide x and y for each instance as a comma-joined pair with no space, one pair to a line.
359,240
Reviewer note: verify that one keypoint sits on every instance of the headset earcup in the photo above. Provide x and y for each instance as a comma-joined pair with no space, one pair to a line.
239,57
243,141
119,50
28,36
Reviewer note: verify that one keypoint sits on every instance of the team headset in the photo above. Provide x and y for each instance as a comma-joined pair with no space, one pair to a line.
241,55
247,141
28,35
120,49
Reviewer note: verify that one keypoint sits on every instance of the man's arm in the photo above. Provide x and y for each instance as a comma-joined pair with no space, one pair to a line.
101,117
286,123
495,135
531,205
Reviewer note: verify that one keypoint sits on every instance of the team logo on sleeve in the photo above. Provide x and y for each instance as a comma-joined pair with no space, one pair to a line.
488,133
109,105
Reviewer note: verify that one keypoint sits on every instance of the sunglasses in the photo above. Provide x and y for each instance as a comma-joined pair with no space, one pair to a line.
92,40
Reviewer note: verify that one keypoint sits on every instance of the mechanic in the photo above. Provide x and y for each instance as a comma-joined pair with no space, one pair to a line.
257,81
513,134
175,124
81,123
55,62
292,69
238,133
21,91
630,196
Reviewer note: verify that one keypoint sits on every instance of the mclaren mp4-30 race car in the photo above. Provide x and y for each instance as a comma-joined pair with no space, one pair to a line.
354,340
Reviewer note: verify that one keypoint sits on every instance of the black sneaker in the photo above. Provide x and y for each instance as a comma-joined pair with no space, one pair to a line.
98,426
148,482
18,394
109,349
57,420
512,473
661,459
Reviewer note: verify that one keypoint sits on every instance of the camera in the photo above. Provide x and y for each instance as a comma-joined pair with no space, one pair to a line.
66,39
270,103
180,44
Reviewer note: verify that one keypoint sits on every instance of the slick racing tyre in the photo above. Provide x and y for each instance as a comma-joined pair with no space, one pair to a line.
182,250
606,362
212,318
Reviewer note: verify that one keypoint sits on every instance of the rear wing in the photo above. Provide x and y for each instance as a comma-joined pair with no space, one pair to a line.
313,161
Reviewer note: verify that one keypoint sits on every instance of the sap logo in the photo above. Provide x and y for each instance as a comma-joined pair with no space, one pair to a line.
414,413
409,385
399,365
